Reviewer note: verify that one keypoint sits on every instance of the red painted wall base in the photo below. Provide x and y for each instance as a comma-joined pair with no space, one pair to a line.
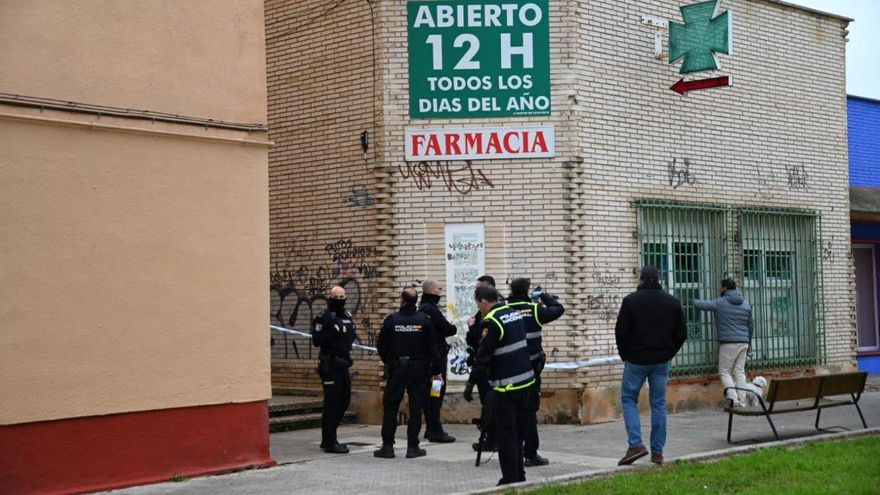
95,453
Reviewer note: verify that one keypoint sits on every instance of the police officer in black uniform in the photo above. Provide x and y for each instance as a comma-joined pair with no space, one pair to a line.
431,291
503,360
472,339
408,347
536,316
333,331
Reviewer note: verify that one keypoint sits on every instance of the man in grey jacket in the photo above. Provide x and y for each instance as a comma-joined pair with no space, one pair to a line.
735,327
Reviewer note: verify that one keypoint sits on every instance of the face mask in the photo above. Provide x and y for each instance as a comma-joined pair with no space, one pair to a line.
336,305
430,298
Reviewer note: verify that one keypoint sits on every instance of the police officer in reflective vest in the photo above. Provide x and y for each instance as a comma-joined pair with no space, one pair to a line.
408,347
333,331
503,360
473,338
536,316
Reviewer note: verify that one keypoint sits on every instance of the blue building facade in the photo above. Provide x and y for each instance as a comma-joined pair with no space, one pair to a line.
864,172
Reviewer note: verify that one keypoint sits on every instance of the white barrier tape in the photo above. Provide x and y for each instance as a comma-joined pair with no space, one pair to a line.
570,365
303,334
585,363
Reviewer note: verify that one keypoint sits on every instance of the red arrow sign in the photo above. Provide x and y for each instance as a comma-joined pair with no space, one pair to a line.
682,86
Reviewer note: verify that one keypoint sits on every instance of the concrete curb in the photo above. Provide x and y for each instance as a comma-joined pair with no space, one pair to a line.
700,457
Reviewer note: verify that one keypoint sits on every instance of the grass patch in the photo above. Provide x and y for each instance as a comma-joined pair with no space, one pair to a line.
840,468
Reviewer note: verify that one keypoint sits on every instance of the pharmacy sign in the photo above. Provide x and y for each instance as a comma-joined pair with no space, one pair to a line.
478,58
704,33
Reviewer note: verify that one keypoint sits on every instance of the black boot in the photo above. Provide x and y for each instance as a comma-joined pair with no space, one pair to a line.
413,452
386,452
439,437
339,448
536,461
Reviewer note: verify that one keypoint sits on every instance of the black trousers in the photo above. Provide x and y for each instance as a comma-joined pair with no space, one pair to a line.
510,410
337,396
530,435
432,409
487,416
413,380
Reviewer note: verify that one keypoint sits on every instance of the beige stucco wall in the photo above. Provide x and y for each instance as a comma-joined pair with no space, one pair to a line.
202,58
134,254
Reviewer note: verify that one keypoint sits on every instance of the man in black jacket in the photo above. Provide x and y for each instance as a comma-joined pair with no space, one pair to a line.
536,315
431,291
408,347
333,331
650,330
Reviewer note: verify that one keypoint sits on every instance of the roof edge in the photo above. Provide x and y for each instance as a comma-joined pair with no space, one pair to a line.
811,10
865,98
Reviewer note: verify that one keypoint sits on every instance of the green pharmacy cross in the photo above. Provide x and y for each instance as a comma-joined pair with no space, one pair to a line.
702,35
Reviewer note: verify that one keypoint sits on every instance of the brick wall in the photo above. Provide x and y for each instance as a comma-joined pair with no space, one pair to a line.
785,117
567,222
323,201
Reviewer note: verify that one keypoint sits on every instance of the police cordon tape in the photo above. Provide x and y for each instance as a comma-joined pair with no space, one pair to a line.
303,334
569,365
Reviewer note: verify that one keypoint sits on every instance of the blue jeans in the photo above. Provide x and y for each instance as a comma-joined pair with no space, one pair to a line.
634,376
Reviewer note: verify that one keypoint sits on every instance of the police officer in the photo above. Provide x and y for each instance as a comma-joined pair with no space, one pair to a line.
536,315
408,348
472,339
333,331
503,361
431,291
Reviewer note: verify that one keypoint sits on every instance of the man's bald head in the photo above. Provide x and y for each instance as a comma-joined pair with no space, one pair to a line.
409,296
432,286
337,292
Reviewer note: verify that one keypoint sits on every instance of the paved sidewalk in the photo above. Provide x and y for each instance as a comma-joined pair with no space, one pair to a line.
449,468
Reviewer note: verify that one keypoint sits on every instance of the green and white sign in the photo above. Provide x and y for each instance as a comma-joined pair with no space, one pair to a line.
704,33
478,58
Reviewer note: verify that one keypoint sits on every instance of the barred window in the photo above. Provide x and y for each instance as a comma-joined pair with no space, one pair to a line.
774,260
781,280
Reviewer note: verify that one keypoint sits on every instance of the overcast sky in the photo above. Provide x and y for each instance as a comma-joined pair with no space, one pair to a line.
863,48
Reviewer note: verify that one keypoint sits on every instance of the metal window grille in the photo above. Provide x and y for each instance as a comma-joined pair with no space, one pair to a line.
781,277
775,258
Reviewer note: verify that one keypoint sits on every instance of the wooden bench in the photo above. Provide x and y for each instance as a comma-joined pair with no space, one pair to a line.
802,394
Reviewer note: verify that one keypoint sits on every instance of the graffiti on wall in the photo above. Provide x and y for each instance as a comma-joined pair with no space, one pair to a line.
604,300
797,177
828,251
299,284
360,198
461,177
680,173
465,261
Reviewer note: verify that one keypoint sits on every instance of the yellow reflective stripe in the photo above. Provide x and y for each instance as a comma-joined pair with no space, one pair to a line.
510,387
492,313
491,317
537,320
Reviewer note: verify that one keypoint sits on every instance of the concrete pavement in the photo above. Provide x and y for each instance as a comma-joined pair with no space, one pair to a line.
449,468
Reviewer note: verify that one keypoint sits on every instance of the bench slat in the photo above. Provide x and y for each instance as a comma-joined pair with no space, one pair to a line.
843,384
794,389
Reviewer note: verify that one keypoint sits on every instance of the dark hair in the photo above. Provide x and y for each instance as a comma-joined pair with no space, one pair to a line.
520,286
487,278
486,293
650,274
728,284
409,296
